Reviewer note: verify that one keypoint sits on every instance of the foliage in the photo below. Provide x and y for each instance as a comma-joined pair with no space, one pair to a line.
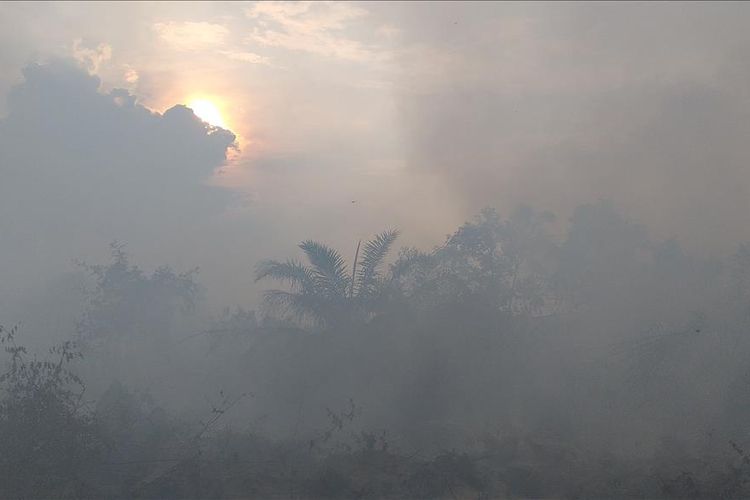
325,292
506,363
47,436
133,319
126,302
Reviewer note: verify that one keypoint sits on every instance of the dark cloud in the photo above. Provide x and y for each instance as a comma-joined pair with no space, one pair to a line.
80,167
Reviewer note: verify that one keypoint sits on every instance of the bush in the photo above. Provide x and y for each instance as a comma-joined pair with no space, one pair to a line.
47,435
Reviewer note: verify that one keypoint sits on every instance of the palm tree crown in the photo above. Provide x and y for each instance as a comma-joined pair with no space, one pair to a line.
325,291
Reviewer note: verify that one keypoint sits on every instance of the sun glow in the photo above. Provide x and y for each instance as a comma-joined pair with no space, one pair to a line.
208,112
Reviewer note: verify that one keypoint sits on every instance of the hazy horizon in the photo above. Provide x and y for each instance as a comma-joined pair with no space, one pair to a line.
421,113
496,199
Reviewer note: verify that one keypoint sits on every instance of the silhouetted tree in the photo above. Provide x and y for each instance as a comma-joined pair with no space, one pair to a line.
132,315
325,291
47,435
503,264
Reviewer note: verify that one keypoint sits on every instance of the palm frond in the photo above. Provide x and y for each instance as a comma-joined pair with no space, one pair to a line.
301,306
293,272
329,268
373,254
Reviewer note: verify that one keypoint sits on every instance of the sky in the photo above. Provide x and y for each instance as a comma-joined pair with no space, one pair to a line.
343,119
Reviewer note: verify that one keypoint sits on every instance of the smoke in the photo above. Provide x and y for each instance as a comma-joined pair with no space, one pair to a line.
595,313
557,105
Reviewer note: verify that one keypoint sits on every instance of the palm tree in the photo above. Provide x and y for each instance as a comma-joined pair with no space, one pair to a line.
325,291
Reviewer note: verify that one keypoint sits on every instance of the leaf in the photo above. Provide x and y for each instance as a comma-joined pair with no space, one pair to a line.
302,306
329,269
293,272
373,254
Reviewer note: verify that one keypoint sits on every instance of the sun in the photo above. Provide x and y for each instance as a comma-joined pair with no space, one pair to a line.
208,112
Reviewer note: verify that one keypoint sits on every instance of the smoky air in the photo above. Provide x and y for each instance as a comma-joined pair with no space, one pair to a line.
374,250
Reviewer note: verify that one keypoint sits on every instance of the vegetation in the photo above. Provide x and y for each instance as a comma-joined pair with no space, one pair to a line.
505,363
325,291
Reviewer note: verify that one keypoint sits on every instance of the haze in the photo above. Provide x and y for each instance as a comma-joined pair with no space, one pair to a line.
451,227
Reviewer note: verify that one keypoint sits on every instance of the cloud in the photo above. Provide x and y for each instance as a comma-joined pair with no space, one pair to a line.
81,168
91,59
248,57
130,75
314,27
192,35
208,37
